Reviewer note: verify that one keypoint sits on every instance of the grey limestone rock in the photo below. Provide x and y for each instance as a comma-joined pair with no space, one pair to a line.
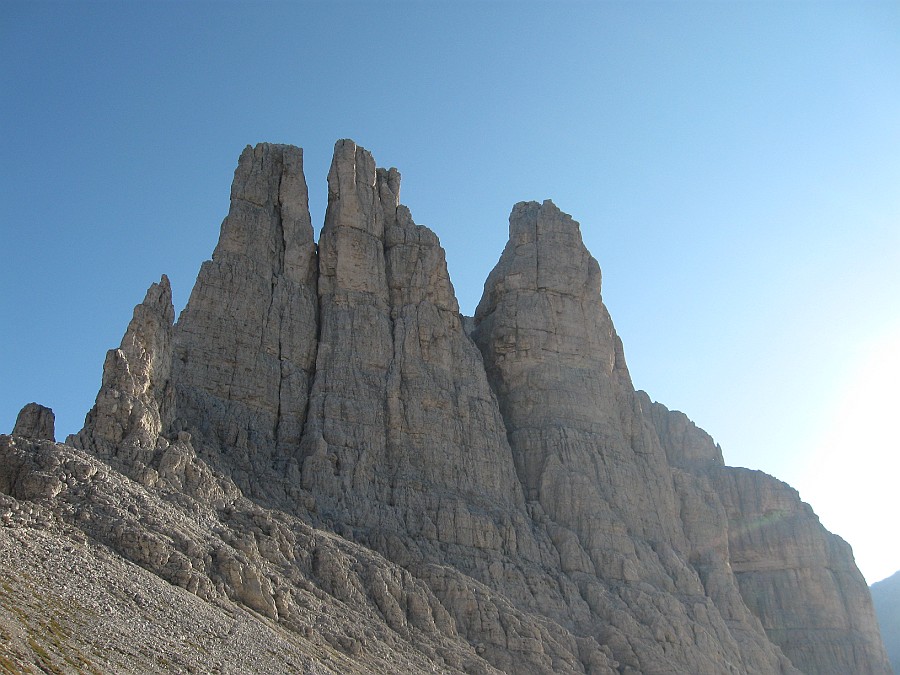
404,445
684,442
37,422
245,344
181,580
798,578
589,456
324,446
886,598
135,402
401,417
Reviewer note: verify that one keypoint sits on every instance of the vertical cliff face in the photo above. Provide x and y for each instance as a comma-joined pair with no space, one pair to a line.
37,422
401,415
404,446
686,445
245,344
798,578
555,519
886,598
589,455
581,447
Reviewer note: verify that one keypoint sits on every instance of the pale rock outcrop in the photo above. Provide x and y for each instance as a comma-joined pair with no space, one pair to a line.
685,444
886,599
245,344
401,416
129,425
306,596
404,447
798,578
37,422
794,578
135,401
557,366
690,450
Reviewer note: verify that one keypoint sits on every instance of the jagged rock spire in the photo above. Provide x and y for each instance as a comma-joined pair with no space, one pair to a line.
400,409
586,453
135,401
556,364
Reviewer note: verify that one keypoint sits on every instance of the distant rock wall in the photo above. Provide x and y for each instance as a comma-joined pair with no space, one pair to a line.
886,598
798,578
494,484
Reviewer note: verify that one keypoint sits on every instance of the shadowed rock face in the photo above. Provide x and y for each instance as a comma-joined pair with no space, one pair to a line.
319,435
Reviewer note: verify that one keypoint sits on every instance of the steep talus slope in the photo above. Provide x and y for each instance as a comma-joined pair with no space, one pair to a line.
318,447
103,574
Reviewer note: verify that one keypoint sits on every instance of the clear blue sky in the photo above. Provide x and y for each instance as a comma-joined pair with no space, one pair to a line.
735,168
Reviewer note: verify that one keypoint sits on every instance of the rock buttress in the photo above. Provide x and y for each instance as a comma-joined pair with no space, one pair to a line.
590,459
400,406
245,344
404,446
566,524
798,578
35,421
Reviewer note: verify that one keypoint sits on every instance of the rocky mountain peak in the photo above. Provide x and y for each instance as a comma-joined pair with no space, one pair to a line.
269,220
245,344
323,446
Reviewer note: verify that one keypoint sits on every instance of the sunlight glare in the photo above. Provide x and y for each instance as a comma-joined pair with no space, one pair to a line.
853,486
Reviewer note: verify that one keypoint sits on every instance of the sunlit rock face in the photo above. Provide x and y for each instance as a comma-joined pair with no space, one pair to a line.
398,391
136,401
245,345
590,457
388,486
582,447
37,422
